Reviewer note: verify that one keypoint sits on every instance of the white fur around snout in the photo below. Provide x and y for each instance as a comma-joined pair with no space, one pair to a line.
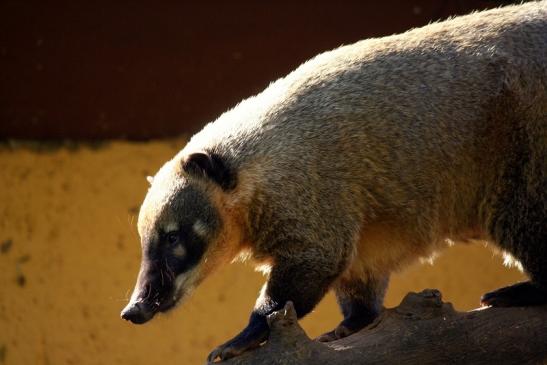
180,280
184,285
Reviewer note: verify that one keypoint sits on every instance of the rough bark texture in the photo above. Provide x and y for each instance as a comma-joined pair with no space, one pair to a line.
421,330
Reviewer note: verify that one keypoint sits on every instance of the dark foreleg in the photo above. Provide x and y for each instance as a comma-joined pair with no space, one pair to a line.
304,282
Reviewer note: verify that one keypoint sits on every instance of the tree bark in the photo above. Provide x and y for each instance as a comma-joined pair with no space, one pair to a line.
421,330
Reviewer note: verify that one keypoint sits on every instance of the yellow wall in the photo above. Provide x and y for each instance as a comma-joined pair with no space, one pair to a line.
74,254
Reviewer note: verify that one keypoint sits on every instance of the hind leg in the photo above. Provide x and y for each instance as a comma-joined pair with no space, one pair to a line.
519,226
533,292
360,301
529,246
520,294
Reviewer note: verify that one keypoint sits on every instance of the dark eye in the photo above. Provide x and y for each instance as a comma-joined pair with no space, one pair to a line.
173,238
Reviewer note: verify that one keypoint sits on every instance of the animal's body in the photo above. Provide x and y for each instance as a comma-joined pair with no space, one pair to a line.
362,160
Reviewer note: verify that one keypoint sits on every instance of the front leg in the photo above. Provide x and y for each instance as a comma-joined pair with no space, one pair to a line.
360,300
302,281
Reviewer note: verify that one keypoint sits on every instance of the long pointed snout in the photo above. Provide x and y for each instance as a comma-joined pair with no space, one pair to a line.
137,312
149,295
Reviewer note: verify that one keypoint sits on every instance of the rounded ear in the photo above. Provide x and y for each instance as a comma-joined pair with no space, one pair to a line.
211,166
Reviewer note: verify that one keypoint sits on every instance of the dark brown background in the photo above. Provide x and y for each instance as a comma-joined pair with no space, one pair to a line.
147,69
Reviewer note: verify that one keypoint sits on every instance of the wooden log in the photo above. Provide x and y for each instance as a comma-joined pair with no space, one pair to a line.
421,330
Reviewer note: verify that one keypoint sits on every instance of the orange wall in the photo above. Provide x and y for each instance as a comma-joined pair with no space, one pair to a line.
69,214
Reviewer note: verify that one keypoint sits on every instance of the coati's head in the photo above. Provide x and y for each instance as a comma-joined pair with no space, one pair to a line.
181,228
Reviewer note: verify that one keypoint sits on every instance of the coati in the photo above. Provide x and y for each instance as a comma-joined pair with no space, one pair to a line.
362,160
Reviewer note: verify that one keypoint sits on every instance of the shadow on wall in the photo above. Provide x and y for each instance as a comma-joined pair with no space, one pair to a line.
142,69
69,254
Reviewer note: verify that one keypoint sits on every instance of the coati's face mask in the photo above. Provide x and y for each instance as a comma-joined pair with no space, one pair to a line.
176,224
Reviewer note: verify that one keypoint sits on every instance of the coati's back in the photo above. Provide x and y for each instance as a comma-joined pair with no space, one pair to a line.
411,126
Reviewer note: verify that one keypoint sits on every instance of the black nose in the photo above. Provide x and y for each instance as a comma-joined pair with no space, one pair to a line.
137,313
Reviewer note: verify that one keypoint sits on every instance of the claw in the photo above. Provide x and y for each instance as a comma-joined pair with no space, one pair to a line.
229,350
213,355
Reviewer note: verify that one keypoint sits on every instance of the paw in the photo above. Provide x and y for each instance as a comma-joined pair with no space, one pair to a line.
521,294
251,337
496,299
226,351
349,326
339,332
327,337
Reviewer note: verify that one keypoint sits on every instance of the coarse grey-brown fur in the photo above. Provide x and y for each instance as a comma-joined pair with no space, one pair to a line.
372,155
